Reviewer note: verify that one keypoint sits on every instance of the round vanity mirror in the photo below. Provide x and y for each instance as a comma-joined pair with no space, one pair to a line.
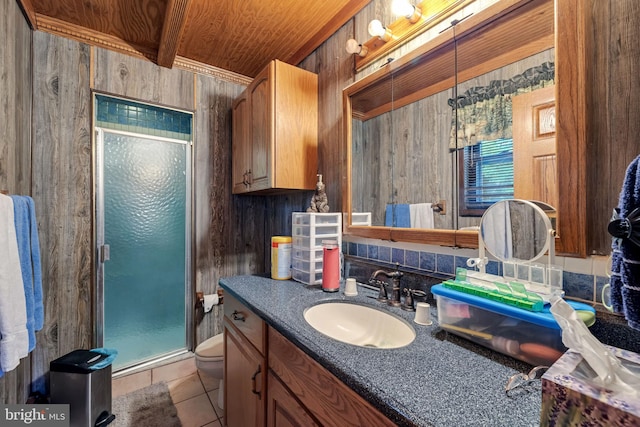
517,230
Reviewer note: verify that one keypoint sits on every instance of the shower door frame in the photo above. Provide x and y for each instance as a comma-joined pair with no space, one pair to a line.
99,311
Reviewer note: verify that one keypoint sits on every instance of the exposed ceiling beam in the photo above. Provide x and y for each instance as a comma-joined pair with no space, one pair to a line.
85,35
174,21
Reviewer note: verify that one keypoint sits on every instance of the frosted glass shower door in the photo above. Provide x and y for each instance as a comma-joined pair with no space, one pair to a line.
144,248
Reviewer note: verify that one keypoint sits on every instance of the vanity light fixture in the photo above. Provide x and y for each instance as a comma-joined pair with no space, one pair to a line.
356,48
376,29
406,9
413,21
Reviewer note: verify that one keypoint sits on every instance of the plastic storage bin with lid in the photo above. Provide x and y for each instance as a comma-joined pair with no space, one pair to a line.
533,337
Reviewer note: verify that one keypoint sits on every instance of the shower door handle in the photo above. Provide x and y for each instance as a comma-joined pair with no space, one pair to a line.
104,253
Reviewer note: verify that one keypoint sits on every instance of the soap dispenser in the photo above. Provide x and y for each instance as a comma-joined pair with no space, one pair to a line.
330,266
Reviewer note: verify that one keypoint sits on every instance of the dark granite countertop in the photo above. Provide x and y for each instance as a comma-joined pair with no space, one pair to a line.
437,380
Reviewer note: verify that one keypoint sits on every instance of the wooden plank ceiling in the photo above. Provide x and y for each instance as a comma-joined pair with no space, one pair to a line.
239,36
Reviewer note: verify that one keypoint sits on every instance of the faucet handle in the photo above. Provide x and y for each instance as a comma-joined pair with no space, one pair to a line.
382,295
408,300
408,303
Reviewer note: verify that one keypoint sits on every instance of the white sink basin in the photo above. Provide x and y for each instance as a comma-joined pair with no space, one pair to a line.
360,325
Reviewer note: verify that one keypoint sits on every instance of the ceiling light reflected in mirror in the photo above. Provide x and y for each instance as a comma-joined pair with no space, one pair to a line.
356,48
376,29
406,9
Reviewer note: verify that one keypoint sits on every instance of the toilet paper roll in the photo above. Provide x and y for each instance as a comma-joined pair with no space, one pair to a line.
209,302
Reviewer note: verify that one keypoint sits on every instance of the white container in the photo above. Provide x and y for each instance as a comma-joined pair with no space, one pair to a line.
317,230
308,230
306,254
306,265
310,218
312,242
307,277
281,257
357,218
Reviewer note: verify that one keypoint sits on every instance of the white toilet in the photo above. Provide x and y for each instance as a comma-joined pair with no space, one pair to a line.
210,360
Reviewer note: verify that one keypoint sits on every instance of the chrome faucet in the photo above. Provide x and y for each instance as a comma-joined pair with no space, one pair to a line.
383,296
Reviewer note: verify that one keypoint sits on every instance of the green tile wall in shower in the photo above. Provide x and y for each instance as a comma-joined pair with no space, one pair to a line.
130,116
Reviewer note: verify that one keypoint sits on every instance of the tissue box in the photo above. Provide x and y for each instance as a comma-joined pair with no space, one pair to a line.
569,398
533,337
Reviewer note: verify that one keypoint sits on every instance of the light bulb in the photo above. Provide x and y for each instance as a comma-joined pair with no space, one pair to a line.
376,29
353,46
356,48
406,9
402,8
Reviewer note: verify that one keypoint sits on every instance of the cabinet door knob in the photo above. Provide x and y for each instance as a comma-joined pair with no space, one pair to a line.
254,383
236,315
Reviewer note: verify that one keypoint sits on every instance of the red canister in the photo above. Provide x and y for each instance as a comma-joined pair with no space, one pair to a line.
330,266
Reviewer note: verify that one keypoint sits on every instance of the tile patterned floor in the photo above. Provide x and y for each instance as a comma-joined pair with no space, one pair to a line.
194,394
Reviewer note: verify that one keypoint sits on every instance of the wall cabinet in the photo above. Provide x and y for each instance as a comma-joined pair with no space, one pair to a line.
296,390
275,132
245,369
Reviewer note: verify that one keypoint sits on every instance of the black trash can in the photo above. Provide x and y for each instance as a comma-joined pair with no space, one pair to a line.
76,381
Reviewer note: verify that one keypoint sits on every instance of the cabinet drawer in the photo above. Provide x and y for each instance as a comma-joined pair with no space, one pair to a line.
247,322
318,390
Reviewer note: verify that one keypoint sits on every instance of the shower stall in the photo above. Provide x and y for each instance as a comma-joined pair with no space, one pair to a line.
143,228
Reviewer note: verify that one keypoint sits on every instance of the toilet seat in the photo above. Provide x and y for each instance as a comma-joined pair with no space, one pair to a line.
211,349
210,360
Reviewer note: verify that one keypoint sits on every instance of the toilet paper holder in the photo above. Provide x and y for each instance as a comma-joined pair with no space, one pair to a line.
206,302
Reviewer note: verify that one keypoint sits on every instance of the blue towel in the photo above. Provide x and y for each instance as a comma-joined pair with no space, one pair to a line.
38,305
397,215
625,255
29,253
21,220
403,216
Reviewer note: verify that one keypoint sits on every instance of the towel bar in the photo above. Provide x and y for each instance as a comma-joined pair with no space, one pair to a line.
440,207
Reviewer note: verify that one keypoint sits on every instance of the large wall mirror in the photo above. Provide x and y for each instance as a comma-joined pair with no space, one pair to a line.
417,121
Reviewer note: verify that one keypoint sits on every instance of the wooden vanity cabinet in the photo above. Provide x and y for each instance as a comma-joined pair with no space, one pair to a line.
275,132
311,395
283,409
245,368
270,382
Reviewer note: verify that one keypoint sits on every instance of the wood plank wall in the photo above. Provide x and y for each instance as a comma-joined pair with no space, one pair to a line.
15,137
62,191
614,123
232,232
